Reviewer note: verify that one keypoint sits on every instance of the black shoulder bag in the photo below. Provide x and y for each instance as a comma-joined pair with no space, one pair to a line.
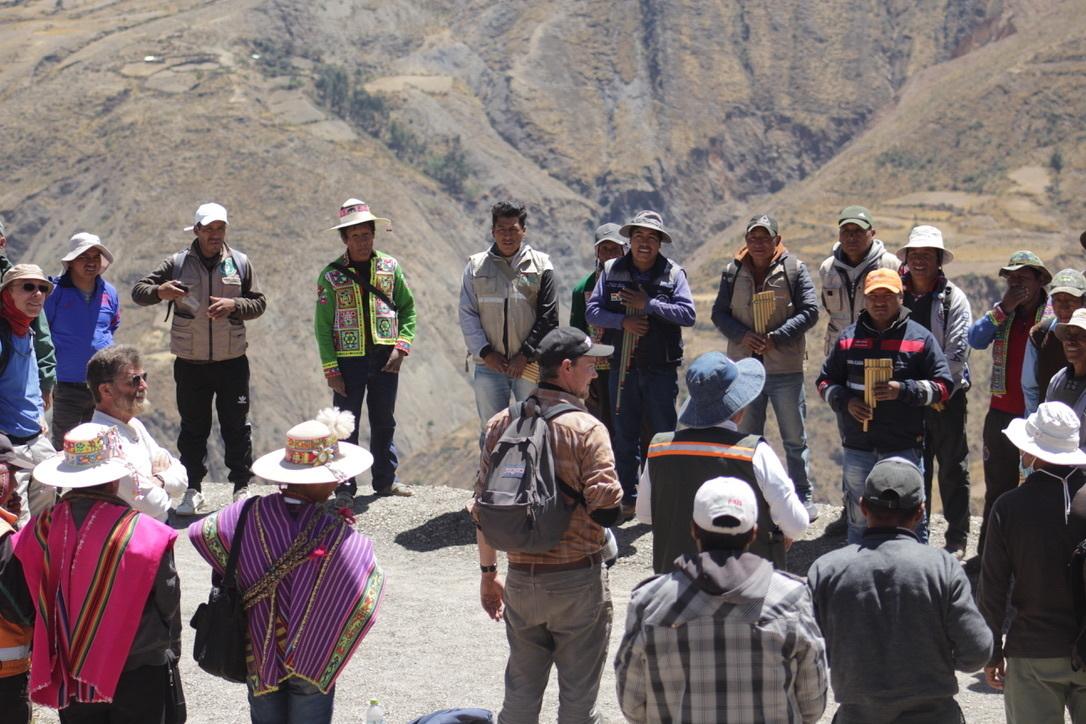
357,279
220,626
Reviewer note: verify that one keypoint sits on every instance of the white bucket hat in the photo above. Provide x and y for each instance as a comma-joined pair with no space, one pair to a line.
1050,433
206,214
1078,319
91,456
314,455
925,237
356,211
82,242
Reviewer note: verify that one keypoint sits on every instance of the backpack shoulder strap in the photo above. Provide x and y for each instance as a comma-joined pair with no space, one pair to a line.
554,411
791,275
731,271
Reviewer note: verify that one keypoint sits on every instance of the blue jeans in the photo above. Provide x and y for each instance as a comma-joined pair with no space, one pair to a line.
647,396
786,393
295,702
367,383
492,391
854,470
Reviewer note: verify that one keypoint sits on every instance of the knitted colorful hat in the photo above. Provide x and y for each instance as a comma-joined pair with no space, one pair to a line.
314,453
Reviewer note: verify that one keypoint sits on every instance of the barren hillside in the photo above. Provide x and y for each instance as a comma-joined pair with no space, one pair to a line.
121,116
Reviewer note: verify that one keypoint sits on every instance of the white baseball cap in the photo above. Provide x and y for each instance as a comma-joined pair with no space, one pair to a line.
726,506
206,214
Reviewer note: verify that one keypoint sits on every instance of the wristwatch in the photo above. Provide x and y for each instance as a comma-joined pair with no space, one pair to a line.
489,569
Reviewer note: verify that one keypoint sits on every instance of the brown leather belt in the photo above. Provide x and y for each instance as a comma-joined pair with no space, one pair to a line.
537,568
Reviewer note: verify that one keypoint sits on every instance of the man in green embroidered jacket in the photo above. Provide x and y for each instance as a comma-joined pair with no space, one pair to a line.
365,324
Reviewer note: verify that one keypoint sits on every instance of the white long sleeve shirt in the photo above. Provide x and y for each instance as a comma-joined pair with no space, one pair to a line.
785,507
147,491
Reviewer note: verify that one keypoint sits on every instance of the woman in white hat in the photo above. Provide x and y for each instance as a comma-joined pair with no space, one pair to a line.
1032,532
311,585
83,312
106,596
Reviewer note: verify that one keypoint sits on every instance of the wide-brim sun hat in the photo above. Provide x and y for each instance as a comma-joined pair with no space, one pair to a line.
356,211
1078,320
1050,433
646,219
719,388
91,456
314,454
925,237
1023,259
83,242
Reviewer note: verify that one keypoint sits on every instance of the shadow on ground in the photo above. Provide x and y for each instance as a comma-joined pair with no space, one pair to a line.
454,528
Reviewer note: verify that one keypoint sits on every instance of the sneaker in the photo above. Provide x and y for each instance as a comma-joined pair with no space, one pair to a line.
241,493
396,489
344,499
191,503
838,528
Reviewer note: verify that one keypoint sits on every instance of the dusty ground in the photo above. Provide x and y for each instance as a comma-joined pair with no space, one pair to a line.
432,646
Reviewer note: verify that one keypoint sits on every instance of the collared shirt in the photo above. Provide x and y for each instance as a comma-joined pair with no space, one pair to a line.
583,460
784,505
146,490
722,639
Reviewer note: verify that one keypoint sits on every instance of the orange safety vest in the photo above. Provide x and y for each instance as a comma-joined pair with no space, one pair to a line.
14,639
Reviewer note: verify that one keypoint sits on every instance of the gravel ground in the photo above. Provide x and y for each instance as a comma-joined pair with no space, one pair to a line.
433,646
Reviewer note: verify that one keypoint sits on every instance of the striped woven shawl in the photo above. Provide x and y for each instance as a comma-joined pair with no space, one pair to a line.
309,619
89,584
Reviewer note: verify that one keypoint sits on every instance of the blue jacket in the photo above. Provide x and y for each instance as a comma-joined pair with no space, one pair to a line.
21,405
80,328
918,363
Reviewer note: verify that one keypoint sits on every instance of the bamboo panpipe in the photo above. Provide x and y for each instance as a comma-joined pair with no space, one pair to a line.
875,371
763,303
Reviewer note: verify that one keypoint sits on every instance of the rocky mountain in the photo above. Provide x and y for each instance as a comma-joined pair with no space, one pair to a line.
121,116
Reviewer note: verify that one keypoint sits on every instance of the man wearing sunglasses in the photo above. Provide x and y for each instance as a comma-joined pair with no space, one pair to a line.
43,339
23,290
118,382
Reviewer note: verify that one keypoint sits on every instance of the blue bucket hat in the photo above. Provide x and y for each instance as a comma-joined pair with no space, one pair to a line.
719,388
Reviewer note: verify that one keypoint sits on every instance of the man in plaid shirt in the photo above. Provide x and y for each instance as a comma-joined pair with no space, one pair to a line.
724,638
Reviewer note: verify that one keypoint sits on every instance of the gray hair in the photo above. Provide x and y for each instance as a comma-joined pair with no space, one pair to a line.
107,363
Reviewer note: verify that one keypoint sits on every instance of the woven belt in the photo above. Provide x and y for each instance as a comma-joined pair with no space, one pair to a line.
538,568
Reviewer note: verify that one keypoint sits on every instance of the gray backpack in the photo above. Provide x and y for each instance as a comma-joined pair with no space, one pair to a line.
521,507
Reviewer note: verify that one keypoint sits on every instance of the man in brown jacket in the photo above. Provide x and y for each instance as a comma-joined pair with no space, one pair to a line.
557,604
212,290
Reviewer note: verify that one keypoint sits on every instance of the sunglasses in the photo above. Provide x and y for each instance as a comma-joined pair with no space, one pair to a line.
31,287
134,380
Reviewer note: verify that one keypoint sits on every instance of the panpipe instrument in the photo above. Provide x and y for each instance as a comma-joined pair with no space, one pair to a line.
530,372
876,371
763,304
629,346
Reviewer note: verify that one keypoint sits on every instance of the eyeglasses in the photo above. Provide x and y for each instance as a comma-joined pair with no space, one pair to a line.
134,380
31,287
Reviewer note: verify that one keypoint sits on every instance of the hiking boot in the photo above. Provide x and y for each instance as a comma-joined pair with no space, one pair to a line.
812,511
191,503
241,493
629,511
838,528
396,489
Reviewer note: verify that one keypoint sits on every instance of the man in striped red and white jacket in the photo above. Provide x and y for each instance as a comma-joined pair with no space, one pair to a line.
895,424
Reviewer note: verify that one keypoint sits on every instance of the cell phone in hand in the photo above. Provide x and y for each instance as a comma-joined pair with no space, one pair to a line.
183,287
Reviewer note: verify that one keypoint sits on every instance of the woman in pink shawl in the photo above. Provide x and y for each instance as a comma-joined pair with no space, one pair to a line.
310,583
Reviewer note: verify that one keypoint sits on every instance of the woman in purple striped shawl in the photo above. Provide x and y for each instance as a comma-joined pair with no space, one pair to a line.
311,584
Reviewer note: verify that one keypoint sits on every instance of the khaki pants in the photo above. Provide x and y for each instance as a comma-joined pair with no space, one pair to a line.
1038,691
34,496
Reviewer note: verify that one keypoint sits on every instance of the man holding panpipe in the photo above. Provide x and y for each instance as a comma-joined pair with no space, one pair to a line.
765,306
892,423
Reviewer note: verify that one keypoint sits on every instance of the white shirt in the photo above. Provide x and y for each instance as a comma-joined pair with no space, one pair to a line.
785,507
147,491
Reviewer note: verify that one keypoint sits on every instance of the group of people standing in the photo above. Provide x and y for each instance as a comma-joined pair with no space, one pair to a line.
724,508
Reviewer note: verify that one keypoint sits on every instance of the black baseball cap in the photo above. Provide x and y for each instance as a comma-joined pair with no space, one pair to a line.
570,343
894,484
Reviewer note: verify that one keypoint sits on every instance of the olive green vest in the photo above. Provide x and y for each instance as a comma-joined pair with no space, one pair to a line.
679,462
